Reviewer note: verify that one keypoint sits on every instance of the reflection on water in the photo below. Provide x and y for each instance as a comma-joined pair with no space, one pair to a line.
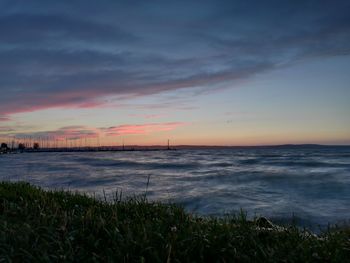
311,184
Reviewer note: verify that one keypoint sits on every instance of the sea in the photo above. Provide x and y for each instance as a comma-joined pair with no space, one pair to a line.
306,185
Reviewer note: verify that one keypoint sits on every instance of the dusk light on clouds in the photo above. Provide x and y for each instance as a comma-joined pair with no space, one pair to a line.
194,72
175,131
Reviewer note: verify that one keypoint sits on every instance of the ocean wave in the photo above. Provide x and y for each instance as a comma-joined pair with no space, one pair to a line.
271,182
303,163
250,161
100,162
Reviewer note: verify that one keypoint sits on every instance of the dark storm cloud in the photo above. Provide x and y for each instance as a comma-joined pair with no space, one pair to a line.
72,53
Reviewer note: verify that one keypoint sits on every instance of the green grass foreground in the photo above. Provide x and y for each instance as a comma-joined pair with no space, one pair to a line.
44,226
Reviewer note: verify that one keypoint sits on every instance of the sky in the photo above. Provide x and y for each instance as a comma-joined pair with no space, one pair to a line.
195,72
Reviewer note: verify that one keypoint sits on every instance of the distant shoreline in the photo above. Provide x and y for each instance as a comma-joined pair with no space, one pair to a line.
132,148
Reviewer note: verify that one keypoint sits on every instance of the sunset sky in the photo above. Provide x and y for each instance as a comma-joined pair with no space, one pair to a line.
195,72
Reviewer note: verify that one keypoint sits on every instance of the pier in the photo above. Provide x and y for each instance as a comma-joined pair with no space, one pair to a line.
37,147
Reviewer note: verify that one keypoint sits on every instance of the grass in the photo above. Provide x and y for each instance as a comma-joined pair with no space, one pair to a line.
45,226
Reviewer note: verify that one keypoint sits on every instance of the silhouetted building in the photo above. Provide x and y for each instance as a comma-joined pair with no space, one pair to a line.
21,146
36,146
4,148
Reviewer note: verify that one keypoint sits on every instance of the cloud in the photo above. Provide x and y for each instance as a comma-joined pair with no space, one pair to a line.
64,133
15,128
4,118
84,132
68,54
27,29
6,129
141,128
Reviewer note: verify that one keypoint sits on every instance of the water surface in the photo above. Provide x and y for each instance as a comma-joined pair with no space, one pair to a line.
311,184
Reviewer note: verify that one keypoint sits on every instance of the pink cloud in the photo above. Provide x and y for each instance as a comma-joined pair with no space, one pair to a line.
90,95
37,102
92,104
4,118
76,132
64,133
142,128
83,132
